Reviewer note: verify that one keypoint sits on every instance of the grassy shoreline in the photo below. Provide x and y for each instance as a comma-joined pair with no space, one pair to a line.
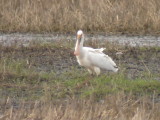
111,16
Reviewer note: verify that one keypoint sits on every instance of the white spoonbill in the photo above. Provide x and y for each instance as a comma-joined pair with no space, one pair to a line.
93,59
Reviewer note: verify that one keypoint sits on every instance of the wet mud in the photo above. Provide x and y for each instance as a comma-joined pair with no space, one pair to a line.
134,62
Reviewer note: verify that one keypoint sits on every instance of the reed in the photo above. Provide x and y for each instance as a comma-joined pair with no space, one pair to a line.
124,16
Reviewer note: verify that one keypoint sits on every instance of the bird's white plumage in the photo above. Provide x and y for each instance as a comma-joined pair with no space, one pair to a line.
93,59
80,32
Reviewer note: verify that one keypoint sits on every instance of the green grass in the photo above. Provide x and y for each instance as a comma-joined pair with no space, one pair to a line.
114,83
24,82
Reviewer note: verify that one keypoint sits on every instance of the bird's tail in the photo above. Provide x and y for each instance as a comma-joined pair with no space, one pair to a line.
115,69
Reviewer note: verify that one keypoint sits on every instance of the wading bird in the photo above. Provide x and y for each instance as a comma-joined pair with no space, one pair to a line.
93,59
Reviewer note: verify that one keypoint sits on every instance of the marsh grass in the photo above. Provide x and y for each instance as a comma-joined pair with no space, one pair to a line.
19,72
112,107
113,16
28,92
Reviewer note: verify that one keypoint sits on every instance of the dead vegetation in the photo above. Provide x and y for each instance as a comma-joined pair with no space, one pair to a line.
113,107
124,16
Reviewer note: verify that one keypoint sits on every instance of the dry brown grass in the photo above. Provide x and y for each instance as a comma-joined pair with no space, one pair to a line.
125,16
113,107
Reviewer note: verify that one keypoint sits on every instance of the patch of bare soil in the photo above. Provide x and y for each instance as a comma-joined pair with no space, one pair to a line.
137,61
134,61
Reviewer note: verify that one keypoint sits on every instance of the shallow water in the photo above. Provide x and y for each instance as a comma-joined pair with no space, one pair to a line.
24,39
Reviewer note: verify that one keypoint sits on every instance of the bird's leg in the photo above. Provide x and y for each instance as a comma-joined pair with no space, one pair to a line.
86,81
97,70
90,71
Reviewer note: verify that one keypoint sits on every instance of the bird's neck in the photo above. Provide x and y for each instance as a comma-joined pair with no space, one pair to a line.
81,43
79,47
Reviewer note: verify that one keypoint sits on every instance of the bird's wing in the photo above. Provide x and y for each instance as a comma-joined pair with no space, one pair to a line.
100,50
101,60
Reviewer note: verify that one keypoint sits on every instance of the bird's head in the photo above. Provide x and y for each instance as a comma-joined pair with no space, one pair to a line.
79,34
